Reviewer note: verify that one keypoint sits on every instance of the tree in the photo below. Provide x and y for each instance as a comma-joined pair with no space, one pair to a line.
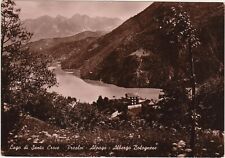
100,103
23,74
181,34
178,31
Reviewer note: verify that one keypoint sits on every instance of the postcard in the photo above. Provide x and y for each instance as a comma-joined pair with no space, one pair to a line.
112,78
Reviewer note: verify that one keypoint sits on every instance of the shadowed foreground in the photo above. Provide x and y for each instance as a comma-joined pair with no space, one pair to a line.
37,138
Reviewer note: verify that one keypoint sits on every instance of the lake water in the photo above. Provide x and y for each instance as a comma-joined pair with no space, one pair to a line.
89,90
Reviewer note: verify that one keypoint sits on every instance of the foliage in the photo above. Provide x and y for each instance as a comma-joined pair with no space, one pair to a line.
210,100
178,27
173,106
64,112
82,116
50,107
10,117
169,142
180,33
21,70
23,75
102,103
177,30
13,34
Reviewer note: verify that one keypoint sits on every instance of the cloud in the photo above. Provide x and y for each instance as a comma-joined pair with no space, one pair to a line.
123,10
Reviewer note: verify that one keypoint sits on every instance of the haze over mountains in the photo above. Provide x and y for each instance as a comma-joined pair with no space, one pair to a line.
59,26
135,54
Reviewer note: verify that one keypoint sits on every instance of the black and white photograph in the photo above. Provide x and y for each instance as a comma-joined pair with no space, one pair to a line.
112,78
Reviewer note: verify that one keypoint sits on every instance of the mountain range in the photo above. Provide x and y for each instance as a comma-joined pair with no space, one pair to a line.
135,54
59,26
61,48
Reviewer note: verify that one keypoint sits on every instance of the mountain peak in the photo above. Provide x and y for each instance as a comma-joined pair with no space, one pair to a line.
77,15
45,17
59,26
60,17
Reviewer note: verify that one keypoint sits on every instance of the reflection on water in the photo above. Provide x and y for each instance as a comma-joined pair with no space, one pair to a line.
89,91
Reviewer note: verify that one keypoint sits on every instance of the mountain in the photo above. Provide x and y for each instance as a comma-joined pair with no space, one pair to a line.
135,54
61,48
49,27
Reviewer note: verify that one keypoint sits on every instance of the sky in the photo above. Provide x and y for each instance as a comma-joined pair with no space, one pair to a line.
35,8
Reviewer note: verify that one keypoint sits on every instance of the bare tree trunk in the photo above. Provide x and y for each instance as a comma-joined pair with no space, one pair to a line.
192,102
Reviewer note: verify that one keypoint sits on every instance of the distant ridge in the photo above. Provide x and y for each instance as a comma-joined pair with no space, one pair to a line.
63,47
59,26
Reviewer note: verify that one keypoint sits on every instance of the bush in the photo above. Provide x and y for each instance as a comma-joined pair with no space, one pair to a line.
210,99
172,109
10,117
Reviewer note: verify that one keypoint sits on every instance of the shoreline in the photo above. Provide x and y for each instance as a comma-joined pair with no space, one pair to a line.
86,90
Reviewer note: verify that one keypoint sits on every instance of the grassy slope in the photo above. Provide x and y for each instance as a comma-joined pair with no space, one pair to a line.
36,132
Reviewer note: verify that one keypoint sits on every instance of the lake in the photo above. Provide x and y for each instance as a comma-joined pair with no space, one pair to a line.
89,90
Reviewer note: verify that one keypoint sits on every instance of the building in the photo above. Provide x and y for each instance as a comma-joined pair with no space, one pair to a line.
134,110
133,99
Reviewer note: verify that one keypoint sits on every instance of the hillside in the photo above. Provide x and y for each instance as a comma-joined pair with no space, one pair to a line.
43,139
50,27
61,48
135,54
